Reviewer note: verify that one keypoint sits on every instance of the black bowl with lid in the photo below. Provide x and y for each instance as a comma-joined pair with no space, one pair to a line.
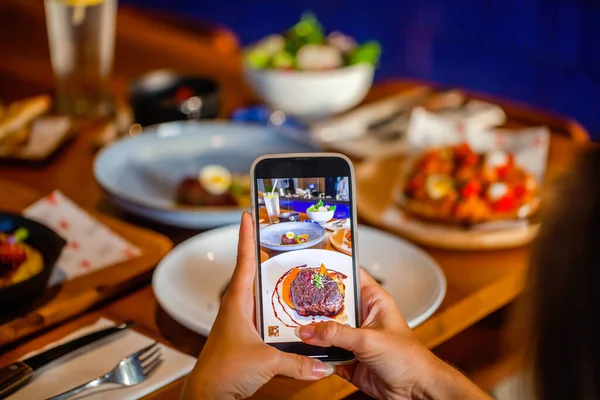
163,96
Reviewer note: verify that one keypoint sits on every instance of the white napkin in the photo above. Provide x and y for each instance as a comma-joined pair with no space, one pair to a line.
351,133
73,372
90,244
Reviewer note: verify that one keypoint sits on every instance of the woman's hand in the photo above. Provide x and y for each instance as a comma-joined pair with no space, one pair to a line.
235,362
392,363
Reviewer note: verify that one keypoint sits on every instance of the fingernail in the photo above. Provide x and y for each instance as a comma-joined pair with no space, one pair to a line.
321,369
304,332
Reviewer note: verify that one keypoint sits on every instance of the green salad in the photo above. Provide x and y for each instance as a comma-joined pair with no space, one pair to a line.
320,207
305,46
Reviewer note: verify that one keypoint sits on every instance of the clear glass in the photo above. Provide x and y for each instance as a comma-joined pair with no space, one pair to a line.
81,34
272,204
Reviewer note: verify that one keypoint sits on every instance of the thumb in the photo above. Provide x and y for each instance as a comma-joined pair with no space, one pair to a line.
301,367
327,334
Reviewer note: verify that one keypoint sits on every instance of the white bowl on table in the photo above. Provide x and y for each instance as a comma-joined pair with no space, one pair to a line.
320,216
311,94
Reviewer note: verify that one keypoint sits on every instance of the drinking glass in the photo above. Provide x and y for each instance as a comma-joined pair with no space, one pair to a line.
272,204
81,34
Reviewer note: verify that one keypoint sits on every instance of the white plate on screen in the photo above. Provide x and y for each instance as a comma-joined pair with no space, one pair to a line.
270,235
189,281
276,269
141,174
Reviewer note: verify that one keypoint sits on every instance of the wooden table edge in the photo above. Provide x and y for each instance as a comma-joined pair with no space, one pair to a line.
434,331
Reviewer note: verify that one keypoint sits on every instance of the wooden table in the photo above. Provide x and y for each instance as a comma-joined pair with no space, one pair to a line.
487,282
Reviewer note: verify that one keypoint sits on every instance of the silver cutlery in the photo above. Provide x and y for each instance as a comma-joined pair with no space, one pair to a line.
394,125
18,374
130,371
340,223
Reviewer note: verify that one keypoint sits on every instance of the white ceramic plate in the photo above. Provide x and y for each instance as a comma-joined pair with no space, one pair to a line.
275,268
270,236
188,282
140,174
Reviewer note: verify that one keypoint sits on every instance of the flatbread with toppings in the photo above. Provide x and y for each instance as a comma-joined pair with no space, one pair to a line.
454,185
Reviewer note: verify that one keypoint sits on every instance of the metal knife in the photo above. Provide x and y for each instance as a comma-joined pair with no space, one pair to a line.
18,374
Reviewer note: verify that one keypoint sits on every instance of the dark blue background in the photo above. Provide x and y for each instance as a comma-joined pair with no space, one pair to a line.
543,52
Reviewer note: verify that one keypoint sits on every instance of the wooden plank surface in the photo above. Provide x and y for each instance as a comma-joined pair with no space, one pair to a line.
76,296
476,288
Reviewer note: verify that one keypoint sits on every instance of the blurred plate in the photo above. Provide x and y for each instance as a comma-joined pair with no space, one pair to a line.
141,174
189,281
270,236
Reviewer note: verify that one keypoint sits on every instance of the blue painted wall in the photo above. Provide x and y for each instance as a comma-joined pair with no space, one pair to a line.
544,52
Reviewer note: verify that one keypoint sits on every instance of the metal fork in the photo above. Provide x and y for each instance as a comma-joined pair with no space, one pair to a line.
131,371
340,223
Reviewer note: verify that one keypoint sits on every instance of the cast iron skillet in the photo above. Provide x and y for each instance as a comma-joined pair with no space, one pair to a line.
44,240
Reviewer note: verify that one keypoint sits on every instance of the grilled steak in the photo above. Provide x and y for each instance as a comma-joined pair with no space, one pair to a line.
315,298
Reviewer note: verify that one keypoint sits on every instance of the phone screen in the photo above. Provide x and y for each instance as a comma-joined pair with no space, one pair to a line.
305,227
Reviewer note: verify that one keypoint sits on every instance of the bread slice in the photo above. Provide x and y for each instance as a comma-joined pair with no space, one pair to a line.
21,113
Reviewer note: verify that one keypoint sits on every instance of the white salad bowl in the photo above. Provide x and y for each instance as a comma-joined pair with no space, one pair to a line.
311,94
320,216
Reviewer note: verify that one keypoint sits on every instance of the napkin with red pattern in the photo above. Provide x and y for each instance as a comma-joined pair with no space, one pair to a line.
90,244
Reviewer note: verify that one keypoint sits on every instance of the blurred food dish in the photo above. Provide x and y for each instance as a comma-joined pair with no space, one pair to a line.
305,46
480,188
28,132
188,173
28,253
379,205
163,96
455,185
215,185
309,74
18,260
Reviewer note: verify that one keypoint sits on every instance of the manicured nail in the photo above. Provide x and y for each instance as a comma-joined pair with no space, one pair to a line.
305,332
321,369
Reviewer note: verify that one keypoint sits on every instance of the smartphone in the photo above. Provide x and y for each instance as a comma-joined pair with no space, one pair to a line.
305,217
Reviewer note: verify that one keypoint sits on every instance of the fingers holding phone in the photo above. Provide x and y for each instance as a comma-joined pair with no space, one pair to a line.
235,362
311,275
